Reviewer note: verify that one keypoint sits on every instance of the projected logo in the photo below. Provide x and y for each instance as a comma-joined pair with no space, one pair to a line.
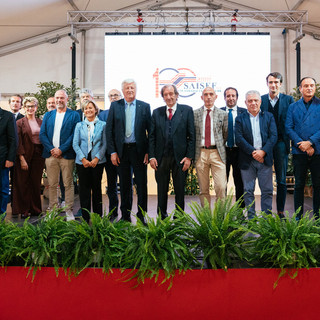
184,79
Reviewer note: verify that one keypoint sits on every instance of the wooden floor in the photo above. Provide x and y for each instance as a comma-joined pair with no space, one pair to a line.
152,205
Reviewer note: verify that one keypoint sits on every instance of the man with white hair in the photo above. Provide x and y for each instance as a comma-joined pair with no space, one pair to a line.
256,135
85,94
128,126
56,135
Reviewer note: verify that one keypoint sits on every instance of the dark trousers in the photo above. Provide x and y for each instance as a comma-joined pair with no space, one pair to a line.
301,164
132,161
112,189
280,158
232,160
90,181
168,164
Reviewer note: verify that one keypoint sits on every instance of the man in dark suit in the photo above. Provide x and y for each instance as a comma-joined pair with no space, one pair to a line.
128,126
15,103
303,128
8,147
278,103
111,170
56,135
231,96
256,135
171,146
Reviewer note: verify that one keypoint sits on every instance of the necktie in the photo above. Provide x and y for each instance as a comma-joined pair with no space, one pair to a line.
170,113
230,141
129,120
207,132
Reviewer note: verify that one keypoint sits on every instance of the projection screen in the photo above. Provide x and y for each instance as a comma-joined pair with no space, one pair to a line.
191,62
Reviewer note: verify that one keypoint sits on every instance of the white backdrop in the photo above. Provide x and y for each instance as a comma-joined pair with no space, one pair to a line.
192,62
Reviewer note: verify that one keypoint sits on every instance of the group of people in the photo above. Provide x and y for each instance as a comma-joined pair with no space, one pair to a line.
127,137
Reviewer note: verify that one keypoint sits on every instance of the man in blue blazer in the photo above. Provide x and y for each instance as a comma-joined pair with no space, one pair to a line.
303,128
231,96
172,146
256,135
128,126
56,135
278,103
8,148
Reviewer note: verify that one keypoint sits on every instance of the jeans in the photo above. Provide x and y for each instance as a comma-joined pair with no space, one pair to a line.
280,157
301,164
4,189
264,175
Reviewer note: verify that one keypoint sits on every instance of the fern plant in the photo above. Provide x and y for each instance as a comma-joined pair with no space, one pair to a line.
161,245
287,243
218,235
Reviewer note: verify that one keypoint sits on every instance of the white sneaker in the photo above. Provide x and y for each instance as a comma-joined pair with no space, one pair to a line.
69,215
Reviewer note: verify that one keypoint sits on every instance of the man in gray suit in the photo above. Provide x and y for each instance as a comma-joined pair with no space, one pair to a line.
211,126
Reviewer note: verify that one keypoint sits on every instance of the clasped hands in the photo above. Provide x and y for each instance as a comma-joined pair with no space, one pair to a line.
93,163
258,155
306,146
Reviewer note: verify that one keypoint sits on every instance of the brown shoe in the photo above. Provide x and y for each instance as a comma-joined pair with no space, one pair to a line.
281,215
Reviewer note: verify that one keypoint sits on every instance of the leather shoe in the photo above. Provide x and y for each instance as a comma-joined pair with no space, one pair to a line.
113,216
281,215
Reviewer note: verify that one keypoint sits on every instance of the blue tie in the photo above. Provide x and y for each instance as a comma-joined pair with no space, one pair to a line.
230,141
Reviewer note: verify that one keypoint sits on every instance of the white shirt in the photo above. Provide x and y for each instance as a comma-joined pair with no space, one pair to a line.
174,108
57,129
213,143
255,127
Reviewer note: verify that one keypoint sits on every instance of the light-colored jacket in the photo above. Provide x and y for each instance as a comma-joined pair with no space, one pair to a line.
220,129
80,141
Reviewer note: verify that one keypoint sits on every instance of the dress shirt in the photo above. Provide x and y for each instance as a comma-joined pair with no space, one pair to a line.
255,127
234,115
174,108
274,100
131,138
213,143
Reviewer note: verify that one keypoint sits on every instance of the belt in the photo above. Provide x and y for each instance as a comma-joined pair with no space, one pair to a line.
132,144
210,147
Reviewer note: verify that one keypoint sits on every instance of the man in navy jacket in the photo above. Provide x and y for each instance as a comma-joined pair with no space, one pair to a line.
56,135
303,128
256,135
278,103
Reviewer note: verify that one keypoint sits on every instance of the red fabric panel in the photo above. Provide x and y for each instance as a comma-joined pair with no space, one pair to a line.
199,294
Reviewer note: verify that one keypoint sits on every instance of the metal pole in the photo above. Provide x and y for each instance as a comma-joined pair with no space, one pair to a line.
298,49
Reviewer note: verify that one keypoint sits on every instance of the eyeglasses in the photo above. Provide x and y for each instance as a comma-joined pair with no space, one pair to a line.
113,95
32,106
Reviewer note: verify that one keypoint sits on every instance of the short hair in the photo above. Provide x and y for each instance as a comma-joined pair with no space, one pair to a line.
126,81
16,95
86,90
86,102
30,99
167,86
253,92
64,91
304,78
276,75
231,88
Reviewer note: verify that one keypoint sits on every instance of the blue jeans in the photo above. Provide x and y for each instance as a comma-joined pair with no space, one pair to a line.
301,164
4,189
264,175
280,157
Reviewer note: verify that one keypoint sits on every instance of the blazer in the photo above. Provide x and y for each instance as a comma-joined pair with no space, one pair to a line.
19,116
71,118
183,134
103,115
303,124
220,130
8,137
244,138
25,146
99,144
116,127
284,103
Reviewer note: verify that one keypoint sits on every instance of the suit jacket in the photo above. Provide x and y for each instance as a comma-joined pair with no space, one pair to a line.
99,145
103,115
8,141
284,103
25,146
19,116
71,118
220,130
183,134
303,124
244,138
116,127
